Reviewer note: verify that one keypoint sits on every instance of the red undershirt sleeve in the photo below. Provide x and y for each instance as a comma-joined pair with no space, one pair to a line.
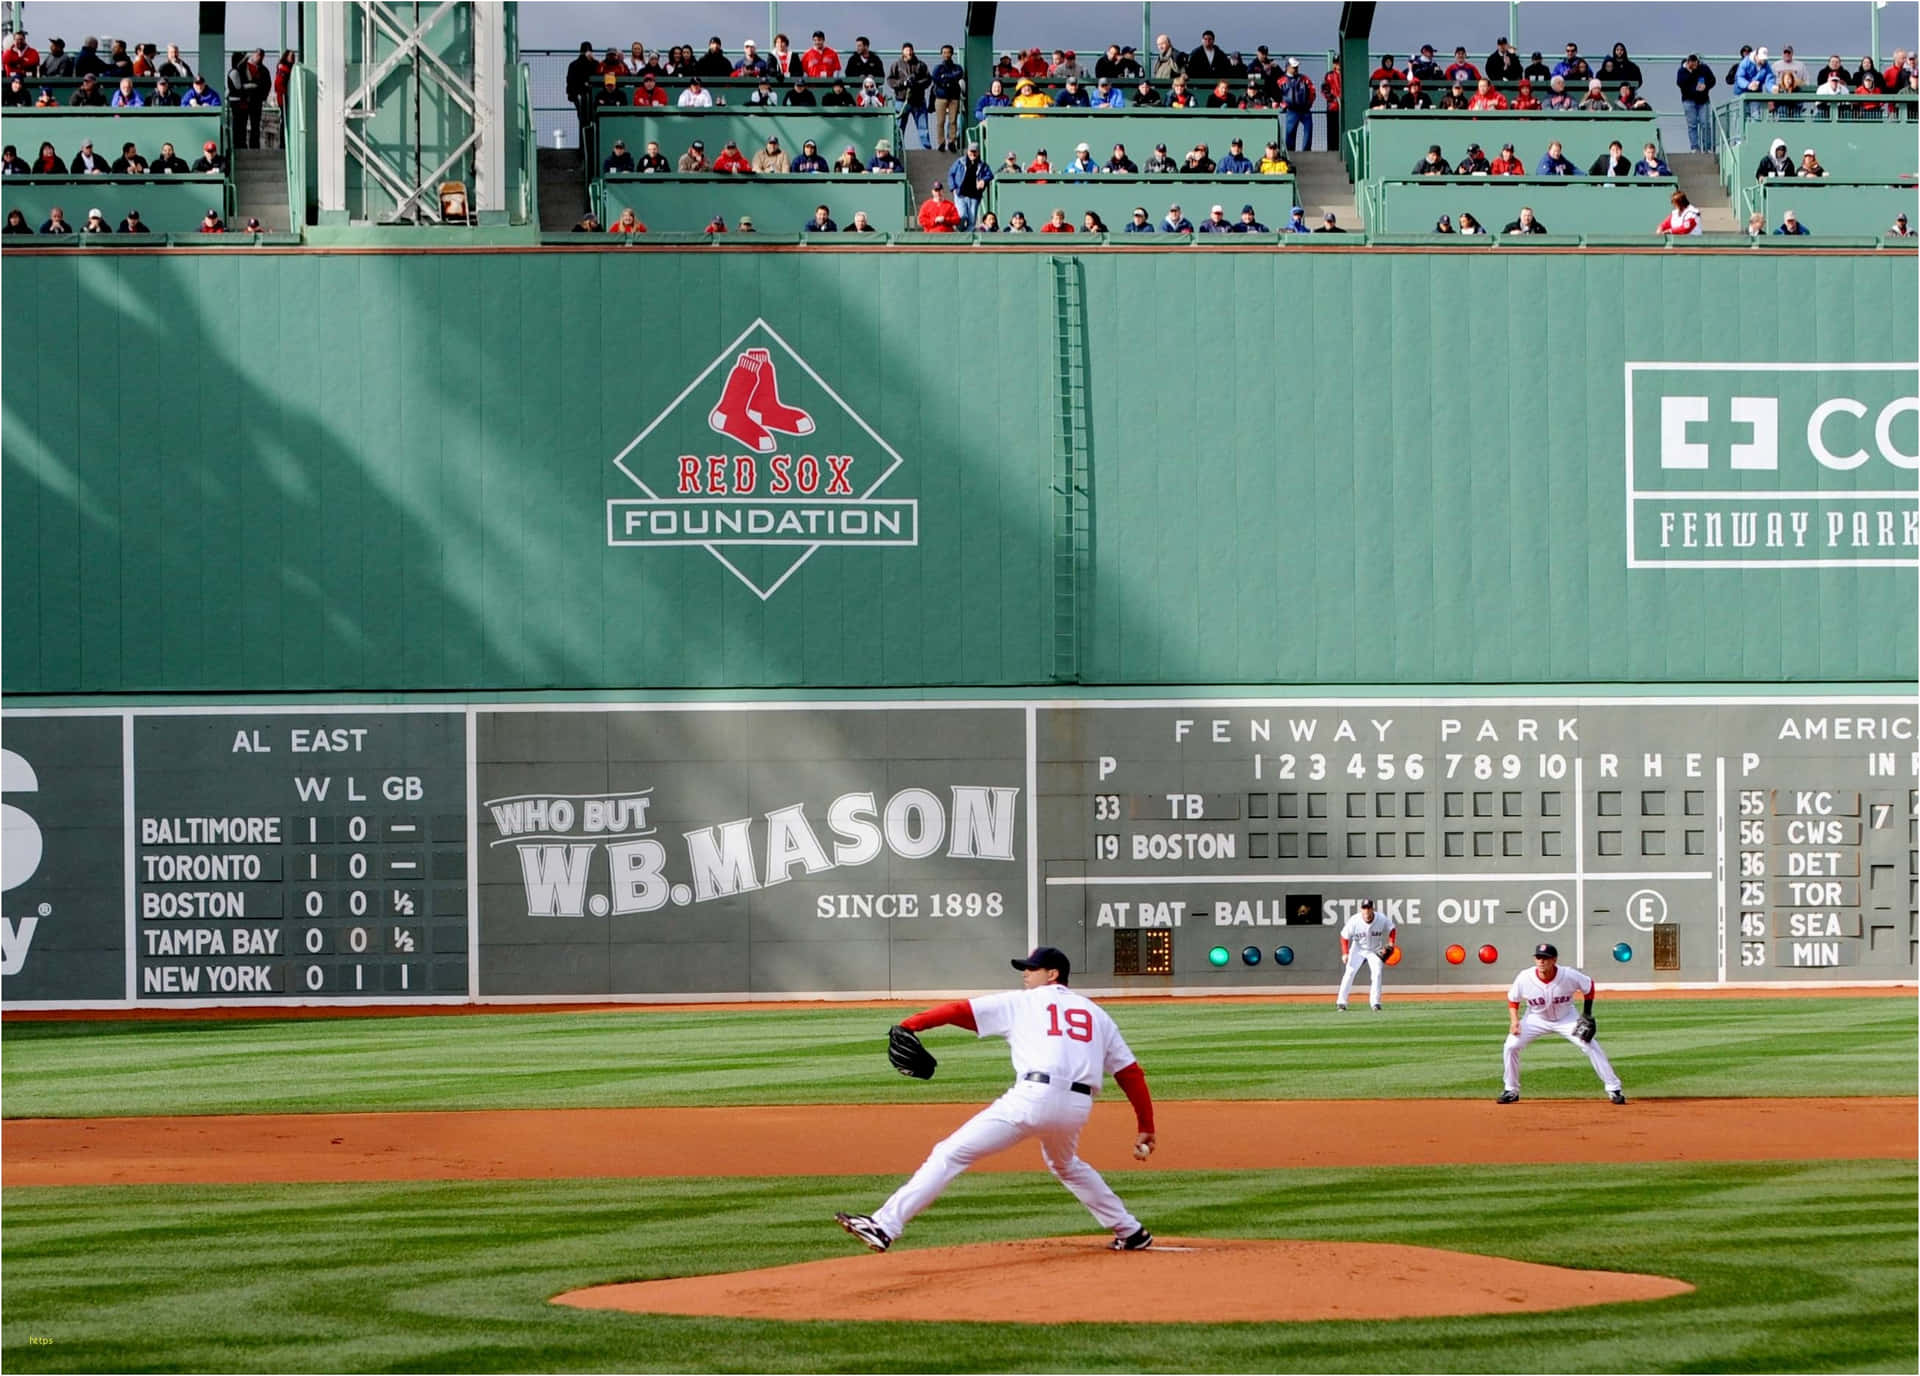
957,1014
1133,1082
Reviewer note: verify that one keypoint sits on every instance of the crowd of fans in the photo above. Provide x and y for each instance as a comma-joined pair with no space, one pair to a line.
117,80
98,222
131,162
1554,162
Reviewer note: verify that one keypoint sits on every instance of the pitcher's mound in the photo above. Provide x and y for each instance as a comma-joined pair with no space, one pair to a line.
1178,1280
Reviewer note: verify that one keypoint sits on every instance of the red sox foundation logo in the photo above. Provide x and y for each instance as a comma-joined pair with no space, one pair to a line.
761,465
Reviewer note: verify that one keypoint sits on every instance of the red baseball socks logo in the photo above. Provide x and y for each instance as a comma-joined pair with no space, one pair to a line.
750,406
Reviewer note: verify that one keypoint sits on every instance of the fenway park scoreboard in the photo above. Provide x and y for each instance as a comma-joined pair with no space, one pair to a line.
661,850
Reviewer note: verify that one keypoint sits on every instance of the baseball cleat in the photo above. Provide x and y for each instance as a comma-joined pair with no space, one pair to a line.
1508,1096
871,1233
1615,1096
1339,1007
1135,1241
1375,1007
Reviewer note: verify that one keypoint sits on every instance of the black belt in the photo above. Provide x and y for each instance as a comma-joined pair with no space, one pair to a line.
1041,1077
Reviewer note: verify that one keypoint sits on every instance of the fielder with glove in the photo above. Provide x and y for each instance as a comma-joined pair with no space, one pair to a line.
1365,940
1547,992
1062,1044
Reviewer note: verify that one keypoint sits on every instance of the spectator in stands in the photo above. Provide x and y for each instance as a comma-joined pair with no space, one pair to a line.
1777,163
1810,166
772,159
1558,96
863,62
1684,218
1503,63
695,97
751,64
653,160
1651,164
1145,97
1573,67
849,161
968,180
1383,97
1199,162
1329,224
46,100
1221,97
13,165
1273,163
1138,222
47,163
1443,225
1120,162
649,92
21,58
884,160
1596,98
89,62
88,93
1091,223
1554,163
211,159
129,163
211,223
1081,161
1460,71
56,222
1455,98
1072,96
1755,73
1630,99
1789,66
1415,97
87,162
837,98
1433,163
1180,96
1159,163
731,160
169,163
783,63
58,62
1027,96
1475,163
1175,222
1296,100
948,91
1065,64
1618,68
1296,222
873,96
1107,96
201,95
119,60
164,94
1525,224
1207,62
821,223
912,83
1235,162
1870,84
1537,71
634,62
1330,90
717,225
1387,72
1524,98
988,223
1612,163
628,223
174,67
995,99
1057,223
1168,61
583,74
860,225
619,160
694,159
820,62
1835,79
800,94
1696,85
1469,224
1756,225
1899,229
1216,222
809,160
1108,63
251,82
1507,164
1423,66
1790,224
17,95
1017,223
1486,98
16,223
714,62
282,74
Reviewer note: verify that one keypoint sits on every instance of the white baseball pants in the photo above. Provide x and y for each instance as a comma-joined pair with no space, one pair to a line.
1355,957
1054,1114
1532,1026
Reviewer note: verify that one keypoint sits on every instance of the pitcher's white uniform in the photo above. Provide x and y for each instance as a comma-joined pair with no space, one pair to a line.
1549,1007
1059,1039
1364,939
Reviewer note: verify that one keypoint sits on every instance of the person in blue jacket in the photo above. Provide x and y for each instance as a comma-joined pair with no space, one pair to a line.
1235,159
1790,224
1297,222
1651,164
1249,223
1554,163
1074,94
1176,223
996,98
968,179
1755,73
1138,223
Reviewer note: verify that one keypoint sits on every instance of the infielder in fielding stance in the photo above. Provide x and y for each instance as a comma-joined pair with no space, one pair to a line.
1547,992
1366,939
1062,1043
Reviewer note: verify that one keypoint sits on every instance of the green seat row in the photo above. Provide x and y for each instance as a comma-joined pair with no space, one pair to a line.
687,203
1827,206
1114,197
168,205
1393,140
187,130
1567,205
1025,132
674,130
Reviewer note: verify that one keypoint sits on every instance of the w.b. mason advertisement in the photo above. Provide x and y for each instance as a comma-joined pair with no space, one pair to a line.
750,851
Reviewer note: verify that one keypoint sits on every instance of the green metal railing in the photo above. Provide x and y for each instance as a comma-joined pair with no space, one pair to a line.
529,207
297,137
1072,475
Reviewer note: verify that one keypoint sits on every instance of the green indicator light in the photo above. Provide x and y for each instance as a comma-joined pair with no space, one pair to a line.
1219,955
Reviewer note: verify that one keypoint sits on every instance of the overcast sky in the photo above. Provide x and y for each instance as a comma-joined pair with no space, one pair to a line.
1814,27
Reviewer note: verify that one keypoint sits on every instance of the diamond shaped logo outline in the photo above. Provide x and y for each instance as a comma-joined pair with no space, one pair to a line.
759,323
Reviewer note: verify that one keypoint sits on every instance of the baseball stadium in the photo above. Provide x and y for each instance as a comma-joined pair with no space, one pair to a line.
929,687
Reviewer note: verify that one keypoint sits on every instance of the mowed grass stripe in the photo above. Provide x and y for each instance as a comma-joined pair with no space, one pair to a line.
1688,1047
1797,1267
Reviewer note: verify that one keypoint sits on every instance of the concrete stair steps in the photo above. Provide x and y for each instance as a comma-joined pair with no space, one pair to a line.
1699,176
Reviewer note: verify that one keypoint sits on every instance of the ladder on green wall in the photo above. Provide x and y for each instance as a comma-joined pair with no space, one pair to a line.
1072,475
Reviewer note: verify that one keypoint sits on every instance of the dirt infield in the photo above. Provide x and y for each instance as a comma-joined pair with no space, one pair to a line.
1178,1280
826,1139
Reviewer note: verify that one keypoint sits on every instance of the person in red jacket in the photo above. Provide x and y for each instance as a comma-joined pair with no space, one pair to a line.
649,91
1486,98
628,223
1057,223
731,159
1684,218
938,214
1526,99
1507,165
20,58
1062,1045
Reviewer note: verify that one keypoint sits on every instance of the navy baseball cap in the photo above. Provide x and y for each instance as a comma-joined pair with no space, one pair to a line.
1045,958
1546,950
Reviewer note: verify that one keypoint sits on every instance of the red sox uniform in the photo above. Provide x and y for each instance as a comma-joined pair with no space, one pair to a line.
1364,940
1541,1000
1062,1044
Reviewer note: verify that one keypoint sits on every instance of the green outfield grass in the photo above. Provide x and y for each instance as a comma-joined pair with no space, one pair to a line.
1798,1267
1691,1047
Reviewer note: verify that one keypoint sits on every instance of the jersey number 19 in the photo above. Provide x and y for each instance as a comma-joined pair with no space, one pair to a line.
1079,1023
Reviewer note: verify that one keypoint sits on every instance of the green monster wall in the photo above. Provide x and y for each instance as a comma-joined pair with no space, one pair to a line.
382,472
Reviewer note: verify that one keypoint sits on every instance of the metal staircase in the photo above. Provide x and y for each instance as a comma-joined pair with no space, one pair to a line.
1072,480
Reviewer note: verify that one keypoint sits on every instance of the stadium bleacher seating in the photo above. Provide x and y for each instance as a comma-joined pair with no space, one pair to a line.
1829,206
1113,197
1023,132
1392,141
1567,205
170,204
687,202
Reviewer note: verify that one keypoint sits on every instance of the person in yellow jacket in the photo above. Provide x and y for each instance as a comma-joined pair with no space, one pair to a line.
1274,163
1030,97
